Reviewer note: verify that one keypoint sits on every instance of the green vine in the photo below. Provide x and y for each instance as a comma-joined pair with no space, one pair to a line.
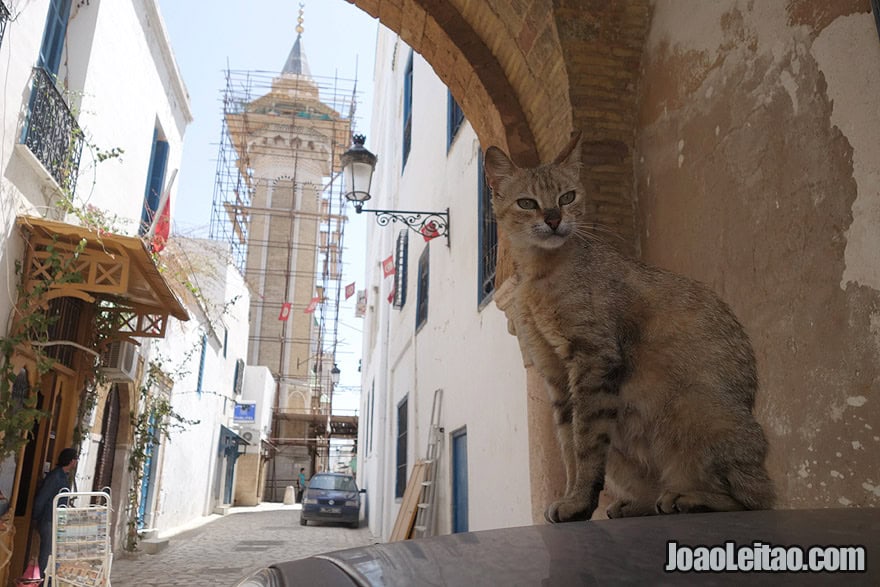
30,330
154,419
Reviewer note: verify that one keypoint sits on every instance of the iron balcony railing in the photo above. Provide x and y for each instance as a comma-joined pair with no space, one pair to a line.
51,132
4,18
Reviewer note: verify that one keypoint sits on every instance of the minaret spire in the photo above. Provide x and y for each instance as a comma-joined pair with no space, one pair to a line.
296,63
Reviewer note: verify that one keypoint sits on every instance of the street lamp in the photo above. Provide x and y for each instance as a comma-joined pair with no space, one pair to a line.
358,165
334,375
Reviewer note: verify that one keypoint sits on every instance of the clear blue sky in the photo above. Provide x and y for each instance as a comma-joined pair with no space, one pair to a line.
339,40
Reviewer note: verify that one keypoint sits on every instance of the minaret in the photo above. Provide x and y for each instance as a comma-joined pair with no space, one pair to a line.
285,141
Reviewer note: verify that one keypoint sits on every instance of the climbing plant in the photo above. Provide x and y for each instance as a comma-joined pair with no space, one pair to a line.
29,333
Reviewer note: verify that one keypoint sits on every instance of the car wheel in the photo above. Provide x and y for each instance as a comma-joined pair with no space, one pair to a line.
354,525
303,522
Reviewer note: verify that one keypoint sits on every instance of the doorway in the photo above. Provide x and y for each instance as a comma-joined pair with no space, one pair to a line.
459,481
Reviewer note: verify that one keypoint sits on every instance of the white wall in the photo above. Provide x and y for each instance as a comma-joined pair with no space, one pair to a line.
260,388
462,349
189,469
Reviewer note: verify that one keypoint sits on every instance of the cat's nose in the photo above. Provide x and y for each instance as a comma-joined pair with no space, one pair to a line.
552,219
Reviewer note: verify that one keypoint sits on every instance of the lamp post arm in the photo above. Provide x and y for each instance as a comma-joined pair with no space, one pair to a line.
428,224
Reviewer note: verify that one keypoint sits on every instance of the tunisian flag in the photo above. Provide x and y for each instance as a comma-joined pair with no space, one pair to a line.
163,227
349,290
285,312
388,266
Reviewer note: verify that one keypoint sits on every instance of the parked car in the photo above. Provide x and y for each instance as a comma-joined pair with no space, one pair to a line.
781,547
331,497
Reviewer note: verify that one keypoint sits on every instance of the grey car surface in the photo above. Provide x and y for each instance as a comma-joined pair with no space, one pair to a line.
331,497
632,551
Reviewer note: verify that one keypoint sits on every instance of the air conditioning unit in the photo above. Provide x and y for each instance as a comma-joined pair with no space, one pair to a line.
119,361
252,435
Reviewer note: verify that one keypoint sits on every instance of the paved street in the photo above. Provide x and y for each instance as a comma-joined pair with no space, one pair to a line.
229,547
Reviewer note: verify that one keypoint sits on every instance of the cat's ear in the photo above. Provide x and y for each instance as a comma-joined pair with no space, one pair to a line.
571,154
498,167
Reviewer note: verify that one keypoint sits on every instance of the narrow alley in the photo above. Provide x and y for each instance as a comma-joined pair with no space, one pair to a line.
228,548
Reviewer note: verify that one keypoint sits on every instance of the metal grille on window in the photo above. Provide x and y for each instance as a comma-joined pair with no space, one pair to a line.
64,317
51,132
400,482
400,262
422,294
4,18
488,235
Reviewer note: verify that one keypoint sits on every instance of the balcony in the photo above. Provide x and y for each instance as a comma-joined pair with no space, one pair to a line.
51,132
4,18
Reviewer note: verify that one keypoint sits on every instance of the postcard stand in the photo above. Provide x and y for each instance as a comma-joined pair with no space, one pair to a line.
81,551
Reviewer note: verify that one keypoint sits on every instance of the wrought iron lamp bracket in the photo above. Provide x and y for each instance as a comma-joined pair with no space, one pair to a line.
428,224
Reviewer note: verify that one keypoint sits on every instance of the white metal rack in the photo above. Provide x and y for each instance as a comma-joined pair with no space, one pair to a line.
81,548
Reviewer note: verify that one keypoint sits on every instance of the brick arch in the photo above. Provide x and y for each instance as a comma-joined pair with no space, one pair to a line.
455,46
527,73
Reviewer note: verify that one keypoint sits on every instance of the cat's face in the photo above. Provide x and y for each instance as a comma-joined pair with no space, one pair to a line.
537,207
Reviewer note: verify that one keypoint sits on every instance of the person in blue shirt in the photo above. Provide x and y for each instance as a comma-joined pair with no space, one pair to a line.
301,484
41,516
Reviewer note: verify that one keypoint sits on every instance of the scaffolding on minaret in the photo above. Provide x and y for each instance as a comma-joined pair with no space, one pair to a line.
281,140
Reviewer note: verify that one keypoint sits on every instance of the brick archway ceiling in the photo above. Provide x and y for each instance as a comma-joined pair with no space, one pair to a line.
528,72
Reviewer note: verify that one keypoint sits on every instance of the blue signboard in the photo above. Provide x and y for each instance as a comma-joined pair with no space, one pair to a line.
245,412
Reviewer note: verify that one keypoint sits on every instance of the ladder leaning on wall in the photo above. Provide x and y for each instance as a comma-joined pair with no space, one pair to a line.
427,514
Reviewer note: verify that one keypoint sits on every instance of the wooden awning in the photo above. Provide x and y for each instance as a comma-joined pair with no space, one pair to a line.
117,273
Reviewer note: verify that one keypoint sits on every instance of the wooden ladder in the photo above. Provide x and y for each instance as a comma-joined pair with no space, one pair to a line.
426,515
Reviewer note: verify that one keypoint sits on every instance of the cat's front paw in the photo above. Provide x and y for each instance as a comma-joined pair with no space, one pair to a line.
680,503
569,510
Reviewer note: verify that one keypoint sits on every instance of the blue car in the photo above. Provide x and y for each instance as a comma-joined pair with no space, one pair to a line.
331,497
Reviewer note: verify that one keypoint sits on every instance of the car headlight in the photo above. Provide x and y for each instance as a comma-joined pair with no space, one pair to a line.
310,501
352,503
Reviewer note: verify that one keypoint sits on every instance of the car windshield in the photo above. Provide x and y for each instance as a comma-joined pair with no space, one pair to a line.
335,482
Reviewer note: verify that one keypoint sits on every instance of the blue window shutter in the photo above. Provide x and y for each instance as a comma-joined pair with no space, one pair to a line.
53,35
155,182
202,364
407,108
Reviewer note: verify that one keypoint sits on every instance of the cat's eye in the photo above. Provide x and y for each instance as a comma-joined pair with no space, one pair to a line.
527,204
566,198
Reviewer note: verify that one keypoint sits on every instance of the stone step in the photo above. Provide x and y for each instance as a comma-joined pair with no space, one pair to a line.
154,545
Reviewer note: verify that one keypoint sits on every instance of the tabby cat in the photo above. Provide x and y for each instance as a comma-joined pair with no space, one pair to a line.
651,376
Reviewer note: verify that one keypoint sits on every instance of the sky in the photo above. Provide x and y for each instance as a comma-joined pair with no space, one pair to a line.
207,38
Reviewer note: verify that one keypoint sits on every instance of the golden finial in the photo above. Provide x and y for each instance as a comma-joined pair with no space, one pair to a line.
299,19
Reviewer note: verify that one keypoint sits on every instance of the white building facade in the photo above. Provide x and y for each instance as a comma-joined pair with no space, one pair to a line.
442,331
93,113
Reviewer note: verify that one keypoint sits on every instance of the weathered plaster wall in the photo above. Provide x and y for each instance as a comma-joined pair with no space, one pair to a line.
757,172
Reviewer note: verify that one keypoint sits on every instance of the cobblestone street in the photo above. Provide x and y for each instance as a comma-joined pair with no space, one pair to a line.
227,548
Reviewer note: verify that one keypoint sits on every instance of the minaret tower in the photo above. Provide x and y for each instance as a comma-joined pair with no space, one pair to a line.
286,141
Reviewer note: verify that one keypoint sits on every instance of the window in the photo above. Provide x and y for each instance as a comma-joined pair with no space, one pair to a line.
400,486
4,17
488,238
202,364
400,262
422,294
407,108
53,35
454,119
371,416
155,182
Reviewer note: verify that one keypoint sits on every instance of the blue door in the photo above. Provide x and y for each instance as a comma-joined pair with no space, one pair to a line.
149,474
459,482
